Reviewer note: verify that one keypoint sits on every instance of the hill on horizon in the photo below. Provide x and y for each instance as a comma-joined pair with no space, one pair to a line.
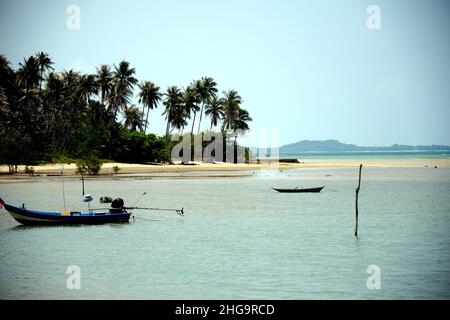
337,146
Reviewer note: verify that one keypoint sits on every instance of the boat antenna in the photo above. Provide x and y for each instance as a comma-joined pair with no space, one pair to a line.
62,183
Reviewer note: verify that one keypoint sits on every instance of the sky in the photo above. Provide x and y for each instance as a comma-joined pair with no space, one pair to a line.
306,69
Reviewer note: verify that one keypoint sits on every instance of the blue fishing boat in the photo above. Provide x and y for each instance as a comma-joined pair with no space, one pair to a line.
117,213
31,217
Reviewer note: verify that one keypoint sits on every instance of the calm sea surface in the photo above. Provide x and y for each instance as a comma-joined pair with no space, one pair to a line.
239,239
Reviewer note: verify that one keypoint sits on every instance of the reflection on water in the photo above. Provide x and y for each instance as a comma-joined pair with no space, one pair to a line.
238,238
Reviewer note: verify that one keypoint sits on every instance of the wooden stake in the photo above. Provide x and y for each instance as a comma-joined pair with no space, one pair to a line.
62,183
357,193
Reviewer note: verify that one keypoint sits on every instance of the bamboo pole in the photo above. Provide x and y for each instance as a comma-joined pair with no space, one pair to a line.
356,204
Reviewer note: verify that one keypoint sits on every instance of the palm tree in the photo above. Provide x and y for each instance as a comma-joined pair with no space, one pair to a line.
149,96
104,81
71,106
133,118
87,86
4,63
215,111
28,74
231,105
45,64
190,104
124,81
241,119
173,104
179,118
207,90
4,111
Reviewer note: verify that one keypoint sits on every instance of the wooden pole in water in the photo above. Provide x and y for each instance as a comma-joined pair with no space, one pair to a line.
356,206
82,183
63,191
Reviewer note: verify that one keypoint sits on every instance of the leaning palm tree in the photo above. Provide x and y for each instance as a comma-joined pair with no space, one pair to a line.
173,103
149,96
124,82
133,118
207,91
45,64
215,111
104,81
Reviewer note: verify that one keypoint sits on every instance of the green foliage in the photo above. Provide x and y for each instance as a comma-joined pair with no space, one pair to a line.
15,149
91,166
116,169
48,116
29,170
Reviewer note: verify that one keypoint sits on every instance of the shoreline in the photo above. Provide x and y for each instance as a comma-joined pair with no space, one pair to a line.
208,170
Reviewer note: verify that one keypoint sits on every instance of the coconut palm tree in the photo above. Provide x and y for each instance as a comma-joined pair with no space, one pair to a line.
133,118
87,86
173,104
52,94
215,111
190,104
179,120
28,74
124,82
104,81
7,73
45,64
231,105
4,111
149,96
241,120
207,89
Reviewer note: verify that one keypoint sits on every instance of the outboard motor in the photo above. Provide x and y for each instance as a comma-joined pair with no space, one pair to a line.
117,205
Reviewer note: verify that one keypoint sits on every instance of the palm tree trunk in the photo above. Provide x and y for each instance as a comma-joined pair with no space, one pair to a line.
40,84
143,112
146,120
200,120
167,129
193,122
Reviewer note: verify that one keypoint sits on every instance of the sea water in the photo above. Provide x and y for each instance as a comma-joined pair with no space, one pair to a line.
239,239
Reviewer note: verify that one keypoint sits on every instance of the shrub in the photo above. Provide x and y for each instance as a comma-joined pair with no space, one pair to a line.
29,170
90,166
116,169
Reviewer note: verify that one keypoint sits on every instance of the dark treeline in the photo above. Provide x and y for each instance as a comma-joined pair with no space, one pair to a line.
47,116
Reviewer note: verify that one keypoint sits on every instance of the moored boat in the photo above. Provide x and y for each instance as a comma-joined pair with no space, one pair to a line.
32,217
299,190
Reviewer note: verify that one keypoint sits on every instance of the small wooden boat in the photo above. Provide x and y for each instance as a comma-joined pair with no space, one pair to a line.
299,190
31,217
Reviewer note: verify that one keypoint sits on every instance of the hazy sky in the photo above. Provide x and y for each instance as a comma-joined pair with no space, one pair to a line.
311,69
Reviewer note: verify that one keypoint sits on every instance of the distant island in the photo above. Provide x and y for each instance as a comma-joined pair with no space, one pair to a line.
337,146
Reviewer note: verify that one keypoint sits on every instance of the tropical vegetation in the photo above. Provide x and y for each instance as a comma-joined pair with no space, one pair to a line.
46,116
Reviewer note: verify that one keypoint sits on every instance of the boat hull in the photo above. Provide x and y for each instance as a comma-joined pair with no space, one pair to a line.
309,190
30,217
